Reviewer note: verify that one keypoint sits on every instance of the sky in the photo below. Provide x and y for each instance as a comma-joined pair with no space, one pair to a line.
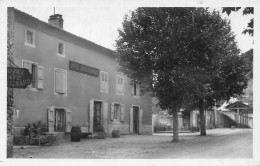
99,22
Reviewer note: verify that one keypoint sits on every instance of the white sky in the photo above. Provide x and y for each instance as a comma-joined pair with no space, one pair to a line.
98,22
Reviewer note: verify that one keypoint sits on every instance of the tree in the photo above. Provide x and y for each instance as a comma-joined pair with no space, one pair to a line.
184,56
247,10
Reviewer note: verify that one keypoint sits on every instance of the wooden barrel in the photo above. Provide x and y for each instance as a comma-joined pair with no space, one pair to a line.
115,133
75,134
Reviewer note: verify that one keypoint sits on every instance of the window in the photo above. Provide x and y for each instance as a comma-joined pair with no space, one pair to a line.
119,85
117,112
104,79
37,72
61,49
60,81
135,89
29,37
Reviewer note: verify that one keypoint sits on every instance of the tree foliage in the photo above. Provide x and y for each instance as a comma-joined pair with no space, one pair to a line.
246,11
188,57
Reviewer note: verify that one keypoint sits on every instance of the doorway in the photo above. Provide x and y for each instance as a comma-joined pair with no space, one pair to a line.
59,120
97,115
135,119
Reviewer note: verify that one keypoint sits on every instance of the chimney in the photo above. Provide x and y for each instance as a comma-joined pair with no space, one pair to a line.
56,21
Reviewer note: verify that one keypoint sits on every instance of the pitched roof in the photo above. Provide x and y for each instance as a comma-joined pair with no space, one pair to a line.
35,23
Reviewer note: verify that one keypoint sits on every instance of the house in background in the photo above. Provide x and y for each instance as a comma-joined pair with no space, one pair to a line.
75,82
238,111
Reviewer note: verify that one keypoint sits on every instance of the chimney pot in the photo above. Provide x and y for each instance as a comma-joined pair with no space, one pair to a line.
56,21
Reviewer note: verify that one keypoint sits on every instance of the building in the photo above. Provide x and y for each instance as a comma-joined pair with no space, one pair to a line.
75,82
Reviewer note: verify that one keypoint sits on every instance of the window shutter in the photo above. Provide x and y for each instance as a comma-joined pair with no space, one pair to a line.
131,120
91,115
137,89
40,77
112,111
68,120
58,81
122,113
105,115
140,121
64,81
50,115
107,82
132,89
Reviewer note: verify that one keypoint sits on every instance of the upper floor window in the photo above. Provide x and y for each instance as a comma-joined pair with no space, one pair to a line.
61,49
119,85
30,37
135,89
37,72
104,82
60,77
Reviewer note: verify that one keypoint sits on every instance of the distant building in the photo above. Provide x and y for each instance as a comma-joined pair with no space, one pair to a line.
75,82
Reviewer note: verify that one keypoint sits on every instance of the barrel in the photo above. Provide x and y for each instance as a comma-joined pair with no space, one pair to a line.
75,134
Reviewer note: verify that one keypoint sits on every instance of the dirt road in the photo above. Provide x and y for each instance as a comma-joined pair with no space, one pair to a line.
219,143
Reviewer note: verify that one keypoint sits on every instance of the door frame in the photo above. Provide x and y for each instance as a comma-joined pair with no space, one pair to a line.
64,109
102,108
138,120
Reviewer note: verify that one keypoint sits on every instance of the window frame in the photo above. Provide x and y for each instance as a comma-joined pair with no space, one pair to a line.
106,83
66,91
135,93
35,75
33,38
122,84
63,43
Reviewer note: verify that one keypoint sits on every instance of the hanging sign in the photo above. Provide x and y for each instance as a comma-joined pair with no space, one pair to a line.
18,77
83,68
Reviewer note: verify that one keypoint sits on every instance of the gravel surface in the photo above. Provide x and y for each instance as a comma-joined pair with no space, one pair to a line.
219,143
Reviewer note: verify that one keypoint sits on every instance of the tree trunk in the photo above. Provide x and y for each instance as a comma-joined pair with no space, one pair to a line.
202,119
175,125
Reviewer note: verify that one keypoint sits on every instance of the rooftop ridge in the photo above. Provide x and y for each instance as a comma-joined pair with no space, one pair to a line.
64,31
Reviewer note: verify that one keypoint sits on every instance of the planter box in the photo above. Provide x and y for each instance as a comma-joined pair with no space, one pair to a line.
21,140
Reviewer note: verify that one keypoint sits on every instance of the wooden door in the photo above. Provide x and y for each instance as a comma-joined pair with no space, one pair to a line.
135,120
59,120
97,116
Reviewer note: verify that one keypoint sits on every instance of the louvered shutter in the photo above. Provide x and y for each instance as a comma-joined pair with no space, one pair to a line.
137,89
50,119
91,114
105,116
107,82
68,120
122,113
112,111
40,77
101,80
132,89
131,120
64,81
140,121
58,81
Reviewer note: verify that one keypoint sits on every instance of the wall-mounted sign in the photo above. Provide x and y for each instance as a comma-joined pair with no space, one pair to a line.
18,77
83,69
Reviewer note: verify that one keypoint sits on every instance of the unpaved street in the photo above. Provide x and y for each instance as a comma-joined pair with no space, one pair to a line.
219,143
